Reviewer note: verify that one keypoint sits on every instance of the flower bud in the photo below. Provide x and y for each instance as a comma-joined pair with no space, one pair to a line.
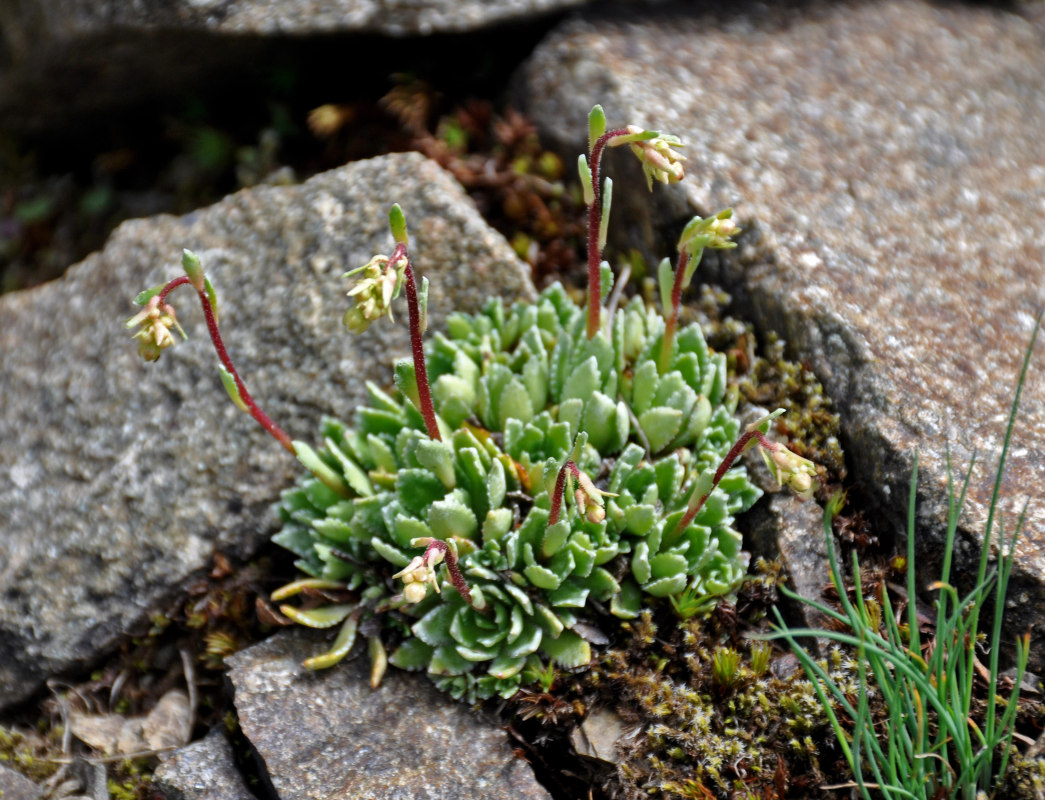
374,292
659,161
155,336
414,592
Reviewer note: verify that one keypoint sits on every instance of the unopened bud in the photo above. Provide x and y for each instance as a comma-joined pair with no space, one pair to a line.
414,592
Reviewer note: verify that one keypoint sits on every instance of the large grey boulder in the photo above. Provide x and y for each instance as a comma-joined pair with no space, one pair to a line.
327,733
888,161
119,479
60,58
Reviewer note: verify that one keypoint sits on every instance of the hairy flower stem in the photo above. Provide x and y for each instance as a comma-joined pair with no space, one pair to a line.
727,462
560,488
667,344
456,578
262,418
424,393
594,224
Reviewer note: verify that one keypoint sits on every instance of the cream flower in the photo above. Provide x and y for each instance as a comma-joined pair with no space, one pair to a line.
156,320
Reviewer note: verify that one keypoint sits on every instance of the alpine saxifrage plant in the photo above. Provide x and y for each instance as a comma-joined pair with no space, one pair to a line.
539,464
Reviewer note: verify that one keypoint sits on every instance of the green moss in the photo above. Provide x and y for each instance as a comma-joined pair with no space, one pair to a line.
131,779
29,753
1025,779
709,731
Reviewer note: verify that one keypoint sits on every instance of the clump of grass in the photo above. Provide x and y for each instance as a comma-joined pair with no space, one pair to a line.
929,746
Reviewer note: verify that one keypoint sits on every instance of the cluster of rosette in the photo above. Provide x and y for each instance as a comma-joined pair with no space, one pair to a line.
519,394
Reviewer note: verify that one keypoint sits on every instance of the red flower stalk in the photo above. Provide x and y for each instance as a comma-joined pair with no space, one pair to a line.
196,280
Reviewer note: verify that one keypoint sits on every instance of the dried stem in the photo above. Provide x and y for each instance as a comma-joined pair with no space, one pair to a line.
262,418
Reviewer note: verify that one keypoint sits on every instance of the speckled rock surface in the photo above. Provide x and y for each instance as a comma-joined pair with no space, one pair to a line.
327,733
203,770
392,17
119,479
15,786
67,57
887,159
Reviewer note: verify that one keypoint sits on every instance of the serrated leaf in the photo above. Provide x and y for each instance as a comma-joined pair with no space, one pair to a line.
322,617
334,529
497,523
314,464
570,412
412,654
406,381
296,587
434,627
552,623
392,555
628,603
640,566
505,666
447,661
583,381
602,584
375,421
475,653
351,471
568,650
535,379
450,517
554,538
437,456
381,453
665,586
570,595
665,565
541,577
417,489
670,474
600,422
644,387
496,486
660,424
527,641
448,387
639,519
519,596
514,403
346,637
405,529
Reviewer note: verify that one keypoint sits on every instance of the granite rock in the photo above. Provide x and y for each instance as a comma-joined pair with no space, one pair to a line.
71,58
887,163
119,479
204,770
327,733
15,786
